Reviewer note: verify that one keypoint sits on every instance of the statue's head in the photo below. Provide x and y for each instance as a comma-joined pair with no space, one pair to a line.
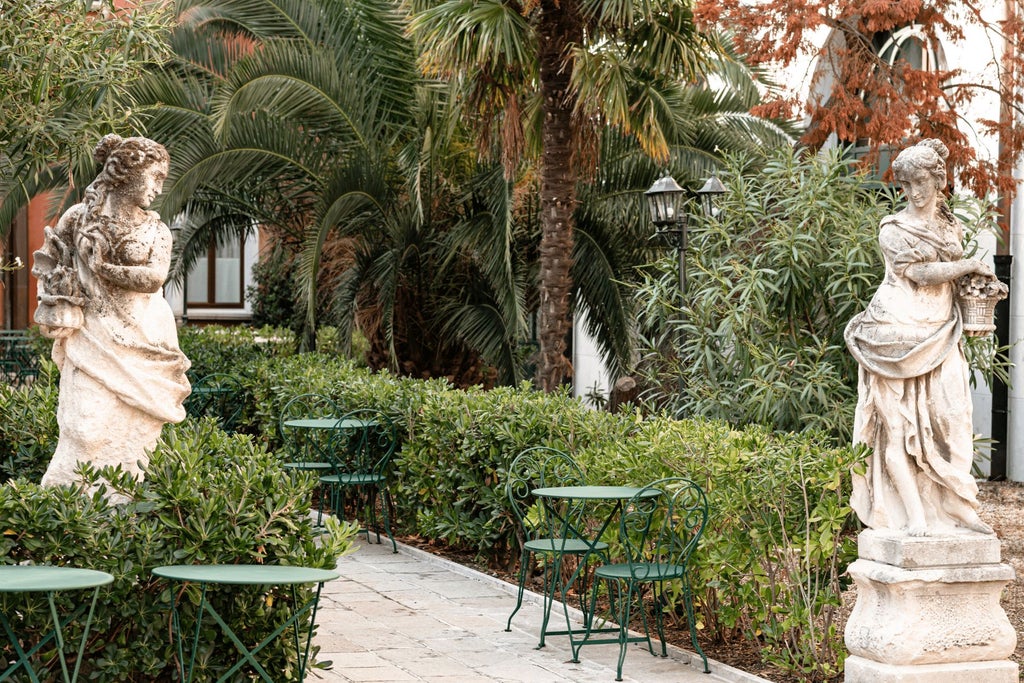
124,158
929,155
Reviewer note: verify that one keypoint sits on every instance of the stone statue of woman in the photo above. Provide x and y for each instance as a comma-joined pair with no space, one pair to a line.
101,272
914,404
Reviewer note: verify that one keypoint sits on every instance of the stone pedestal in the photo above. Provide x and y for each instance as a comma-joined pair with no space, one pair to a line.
928,611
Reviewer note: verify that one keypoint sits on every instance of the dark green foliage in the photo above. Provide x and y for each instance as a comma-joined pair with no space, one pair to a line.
28,425
207,498
460,443
272,293
236,350
773,280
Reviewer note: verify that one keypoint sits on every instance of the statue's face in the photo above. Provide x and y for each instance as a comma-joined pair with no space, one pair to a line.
919,187
150,183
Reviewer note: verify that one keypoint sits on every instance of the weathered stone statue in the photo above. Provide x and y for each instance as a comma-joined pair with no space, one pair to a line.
914,401
100,272
928,574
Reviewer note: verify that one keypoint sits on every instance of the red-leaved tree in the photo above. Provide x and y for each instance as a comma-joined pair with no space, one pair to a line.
866,99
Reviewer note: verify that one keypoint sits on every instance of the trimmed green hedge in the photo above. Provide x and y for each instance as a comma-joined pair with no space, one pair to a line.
769,567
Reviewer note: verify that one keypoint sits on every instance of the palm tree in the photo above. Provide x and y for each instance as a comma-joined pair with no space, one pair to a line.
298,117
264,112
548,76
709,120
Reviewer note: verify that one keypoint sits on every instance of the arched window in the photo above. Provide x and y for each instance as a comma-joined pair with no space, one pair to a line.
909,45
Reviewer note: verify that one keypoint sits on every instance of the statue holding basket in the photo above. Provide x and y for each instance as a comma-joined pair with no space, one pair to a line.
914,403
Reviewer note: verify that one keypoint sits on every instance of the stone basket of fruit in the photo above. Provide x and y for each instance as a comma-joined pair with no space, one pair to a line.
978,295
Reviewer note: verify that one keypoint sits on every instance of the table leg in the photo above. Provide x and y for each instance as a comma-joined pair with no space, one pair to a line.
247,654
23,657
588,614
185,673
57,633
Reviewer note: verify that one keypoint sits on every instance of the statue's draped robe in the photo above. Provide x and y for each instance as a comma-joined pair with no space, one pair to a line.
122,373
913,379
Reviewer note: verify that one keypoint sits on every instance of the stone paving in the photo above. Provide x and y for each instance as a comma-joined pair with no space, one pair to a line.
413,616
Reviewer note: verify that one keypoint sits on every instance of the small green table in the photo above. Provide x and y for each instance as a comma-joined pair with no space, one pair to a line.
244,575
555,496
49,580
322,423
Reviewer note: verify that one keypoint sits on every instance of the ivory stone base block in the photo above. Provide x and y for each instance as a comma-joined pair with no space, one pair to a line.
928,611
860,670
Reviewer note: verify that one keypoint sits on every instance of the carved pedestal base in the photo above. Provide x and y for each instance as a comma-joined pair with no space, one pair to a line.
860,670
928,611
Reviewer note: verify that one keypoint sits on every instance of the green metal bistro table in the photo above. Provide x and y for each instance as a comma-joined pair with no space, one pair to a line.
556,499
329,423
49,580
244,575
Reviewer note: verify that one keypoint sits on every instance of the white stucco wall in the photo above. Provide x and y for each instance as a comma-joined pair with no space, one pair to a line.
589,375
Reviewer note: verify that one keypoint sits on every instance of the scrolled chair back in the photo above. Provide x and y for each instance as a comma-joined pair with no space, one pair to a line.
538,467
661,526
364,441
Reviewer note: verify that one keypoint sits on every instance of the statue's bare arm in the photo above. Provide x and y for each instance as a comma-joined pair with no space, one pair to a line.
937,273
148,277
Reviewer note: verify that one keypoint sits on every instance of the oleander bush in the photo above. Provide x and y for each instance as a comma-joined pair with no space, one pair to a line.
207,497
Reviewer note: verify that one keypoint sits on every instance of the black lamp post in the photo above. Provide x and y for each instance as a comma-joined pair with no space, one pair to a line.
669,206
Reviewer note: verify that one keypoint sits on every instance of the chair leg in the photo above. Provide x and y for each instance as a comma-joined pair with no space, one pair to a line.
552,570
624,628
524,559
643,617
371,512
691,623
385,511
659,616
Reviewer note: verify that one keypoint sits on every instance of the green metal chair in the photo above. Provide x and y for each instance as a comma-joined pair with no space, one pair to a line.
219,396
658,536
307,450
364,441
19,362
533,468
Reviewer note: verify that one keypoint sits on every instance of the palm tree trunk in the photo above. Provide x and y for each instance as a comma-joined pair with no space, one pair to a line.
559,29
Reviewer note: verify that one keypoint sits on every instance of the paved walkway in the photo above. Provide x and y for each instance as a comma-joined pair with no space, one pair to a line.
417,617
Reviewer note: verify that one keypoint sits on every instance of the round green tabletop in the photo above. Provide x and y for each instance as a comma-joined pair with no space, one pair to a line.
244,574
593,492
329,423
27,578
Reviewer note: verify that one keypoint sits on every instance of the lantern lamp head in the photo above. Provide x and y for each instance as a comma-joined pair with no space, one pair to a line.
666,201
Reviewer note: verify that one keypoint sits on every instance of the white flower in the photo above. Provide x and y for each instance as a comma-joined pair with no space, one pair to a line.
17,262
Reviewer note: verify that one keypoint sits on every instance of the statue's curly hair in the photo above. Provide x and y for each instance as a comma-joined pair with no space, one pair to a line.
929,154
121,156
121,159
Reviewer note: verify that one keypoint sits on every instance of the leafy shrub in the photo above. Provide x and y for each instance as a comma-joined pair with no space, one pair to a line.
232,349
272,296
770,565
460,443
235,350
28,425
207,498
791,257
